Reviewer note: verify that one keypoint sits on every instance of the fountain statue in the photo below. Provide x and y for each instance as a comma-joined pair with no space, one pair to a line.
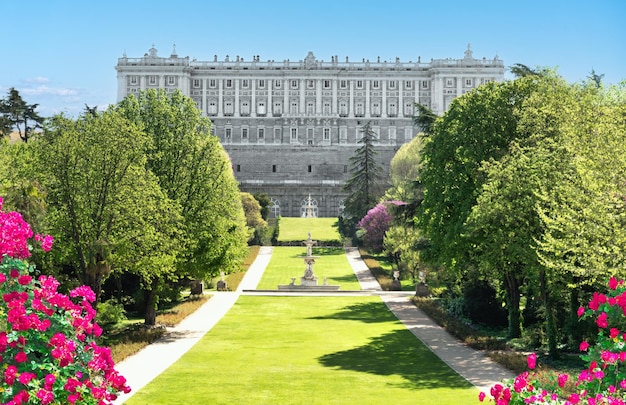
308,281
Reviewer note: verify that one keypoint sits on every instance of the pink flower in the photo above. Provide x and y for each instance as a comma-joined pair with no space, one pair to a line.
602,320
21,357
532,361
481,396
562,379
613,283
25,377
581,311
24,279
584,345
614,333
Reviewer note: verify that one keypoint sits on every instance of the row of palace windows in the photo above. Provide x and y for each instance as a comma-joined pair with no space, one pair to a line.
310,108
309,83
275,168
245,134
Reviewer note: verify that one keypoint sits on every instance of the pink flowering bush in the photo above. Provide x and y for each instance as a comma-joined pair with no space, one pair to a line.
47,339
375,224
603,381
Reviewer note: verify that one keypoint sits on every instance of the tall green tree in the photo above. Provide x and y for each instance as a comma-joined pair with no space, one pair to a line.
193,170
93,170
364,187
20,115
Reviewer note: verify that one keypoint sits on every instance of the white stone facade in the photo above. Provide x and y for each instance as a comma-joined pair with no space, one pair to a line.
310,107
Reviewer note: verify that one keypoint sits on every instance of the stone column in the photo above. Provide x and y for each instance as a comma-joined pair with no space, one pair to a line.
367,98
220,98
334,103
383,107
302,107
318,96
351,105
236,112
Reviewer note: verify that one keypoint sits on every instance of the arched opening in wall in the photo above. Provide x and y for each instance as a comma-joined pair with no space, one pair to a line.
308,208
274,207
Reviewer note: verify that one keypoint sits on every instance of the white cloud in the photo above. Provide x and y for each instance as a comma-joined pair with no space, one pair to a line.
38,79
52,91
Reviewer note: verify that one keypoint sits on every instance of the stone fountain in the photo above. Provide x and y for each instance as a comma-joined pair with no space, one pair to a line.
308,282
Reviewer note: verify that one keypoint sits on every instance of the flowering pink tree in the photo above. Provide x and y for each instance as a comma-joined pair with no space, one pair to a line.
47,339
603,381
375,224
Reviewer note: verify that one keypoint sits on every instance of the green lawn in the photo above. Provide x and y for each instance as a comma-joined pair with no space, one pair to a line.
287,263
308,350
296,229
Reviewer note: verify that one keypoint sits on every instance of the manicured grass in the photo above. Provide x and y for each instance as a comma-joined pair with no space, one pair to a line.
297,229
286,263
308,350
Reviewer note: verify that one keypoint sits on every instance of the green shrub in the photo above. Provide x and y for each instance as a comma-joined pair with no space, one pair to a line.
110,313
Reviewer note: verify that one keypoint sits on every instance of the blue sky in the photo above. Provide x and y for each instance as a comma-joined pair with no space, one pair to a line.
61,54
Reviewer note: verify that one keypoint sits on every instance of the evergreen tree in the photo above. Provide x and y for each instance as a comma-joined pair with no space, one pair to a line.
364,187
16,113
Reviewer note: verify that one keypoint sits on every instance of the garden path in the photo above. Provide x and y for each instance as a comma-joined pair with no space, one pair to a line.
472,365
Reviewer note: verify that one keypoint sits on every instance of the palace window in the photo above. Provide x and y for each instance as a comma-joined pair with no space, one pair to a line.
408,109
449,82
343,109
294,84
278,108
228,133
359,84
294,108
469,83
133,80
261,84
273,168
294,134
229,83
245,108
152,80
327,84
244,133
228,108
310,108
408,84
326,108
278,84
245,83
171,80
393,111
212,108
261,108
359,109
261,133
277,132
392,84
238,168
375,84
212,83
310,84
343,84
375,108
327,134
424,84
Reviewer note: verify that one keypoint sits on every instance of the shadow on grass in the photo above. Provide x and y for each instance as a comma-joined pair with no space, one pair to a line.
369,312
397,353
348,278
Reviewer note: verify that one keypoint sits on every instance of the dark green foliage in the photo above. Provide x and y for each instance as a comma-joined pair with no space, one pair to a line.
482,305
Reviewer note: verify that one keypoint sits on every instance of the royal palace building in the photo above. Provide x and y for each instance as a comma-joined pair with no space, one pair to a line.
290,127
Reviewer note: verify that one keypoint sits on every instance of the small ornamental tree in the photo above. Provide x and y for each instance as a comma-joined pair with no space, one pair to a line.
47,339
603,381
375,224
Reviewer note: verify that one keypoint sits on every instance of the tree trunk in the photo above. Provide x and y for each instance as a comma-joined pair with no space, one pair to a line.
150,302
512,285
550,321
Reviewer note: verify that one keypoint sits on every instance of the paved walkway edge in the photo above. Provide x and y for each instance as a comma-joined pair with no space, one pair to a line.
472,365
144,366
